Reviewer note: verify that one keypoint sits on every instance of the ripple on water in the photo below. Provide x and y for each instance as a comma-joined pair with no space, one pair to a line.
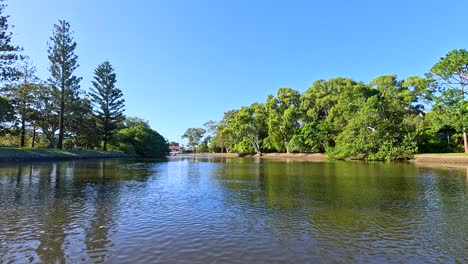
209,210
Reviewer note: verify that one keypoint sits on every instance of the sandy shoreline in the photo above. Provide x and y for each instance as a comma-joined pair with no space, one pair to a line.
33,156
284,156
419,158
437,159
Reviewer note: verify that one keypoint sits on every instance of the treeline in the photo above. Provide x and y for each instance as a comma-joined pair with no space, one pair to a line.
56,112
386,119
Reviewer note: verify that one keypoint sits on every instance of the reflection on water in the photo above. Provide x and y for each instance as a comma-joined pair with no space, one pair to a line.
192,209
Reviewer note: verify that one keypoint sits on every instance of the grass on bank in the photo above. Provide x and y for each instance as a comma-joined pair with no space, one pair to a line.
6,151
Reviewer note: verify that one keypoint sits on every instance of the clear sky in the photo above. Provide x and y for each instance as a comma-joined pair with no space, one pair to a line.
182,63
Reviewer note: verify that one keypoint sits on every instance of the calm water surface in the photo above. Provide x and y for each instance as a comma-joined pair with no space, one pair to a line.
201,210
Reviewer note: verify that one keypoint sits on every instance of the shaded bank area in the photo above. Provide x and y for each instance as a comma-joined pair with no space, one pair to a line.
9,154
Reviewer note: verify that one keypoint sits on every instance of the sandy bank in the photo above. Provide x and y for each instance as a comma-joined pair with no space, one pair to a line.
441,158
450,158
284,156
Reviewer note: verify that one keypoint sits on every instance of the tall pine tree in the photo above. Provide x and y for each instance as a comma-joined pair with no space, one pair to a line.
8,53
108,100
63,62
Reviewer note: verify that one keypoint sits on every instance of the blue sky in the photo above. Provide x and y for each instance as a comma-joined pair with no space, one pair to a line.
182,63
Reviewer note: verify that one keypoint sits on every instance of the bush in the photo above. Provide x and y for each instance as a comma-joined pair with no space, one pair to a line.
127,148
142,140
68,144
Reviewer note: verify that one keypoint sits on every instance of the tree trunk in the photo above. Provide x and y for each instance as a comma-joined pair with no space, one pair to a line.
105,141
256,146
33,137
465,143
23,133
61,125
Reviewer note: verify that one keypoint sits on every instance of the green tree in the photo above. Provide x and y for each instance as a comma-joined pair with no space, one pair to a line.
283,118
384,127
250,123
63,62
451,72
23,95
173,143
9,54
23,98
225,135
327,107
108,101
46,112
82,125
211,126
204,146
6,112
139,138
194,135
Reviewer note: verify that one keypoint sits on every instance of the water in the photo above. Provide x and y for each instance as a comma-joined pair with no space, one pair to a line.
201,210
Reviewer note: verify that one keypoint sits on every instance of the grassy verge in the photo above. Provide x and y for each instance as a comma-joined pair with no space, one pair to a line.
13,153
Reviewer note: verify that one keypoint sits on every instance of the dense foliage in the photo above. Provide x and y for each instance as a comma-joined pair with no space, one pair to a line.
385,119
138,138
57,112
9,54
108,100
63,62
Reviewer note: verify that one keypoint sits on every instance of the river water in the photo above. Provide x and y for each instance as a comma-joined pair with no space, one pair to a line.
234,210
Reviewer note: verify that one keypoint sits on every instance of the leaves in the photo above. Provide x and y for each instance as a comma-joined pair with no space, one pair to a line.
63,62
139,138
194,135
107,100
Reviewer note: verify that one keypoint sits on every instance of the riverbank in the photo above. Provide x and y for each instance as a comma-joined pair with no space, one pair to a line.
37,154
283,156
448,158
452,158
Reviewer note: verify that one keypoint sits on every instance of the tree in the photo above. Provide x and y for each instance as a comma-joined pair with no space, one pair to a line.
211,126
225,136
63,62
107,100
9,54
139,138
46,112
283,118
22,98
23,95
173,143
194,135
251,124
327,107
82,124
6,112
384,127
453,70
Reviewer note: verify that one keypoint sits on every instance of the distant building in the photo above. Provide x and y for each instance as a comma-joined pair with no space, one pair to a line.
174,150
